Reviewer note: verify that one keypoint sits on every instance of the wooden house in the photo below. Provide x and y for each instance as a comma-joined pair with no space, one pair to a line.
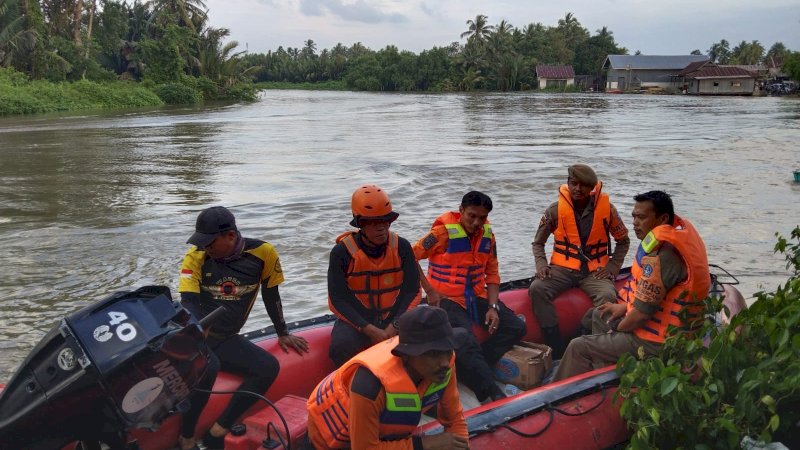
555,76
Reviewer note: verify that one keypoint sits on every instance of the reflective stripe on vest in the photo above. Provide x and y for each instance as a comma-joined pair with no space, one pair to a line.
330,401
375,282
569,249
689,293
461,266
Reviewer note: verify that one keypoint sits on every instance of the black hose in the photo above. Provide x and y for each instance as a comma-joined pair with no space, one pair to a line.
286,444
552,410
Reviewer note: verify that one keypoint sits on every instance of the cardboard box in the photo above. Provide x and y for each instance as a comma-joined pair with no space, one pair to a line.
524,365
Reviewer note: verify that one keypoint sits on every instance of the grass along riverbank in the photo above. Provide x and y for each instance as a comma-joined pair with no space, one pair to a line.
19,95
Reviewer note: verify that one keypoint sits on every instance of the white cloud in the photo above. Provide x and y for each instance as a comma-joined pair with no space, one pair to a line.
674,27
358,11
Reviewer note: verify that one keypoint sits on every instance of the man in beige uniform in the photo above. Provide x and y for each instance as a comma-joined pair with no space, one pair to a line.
669,280
580,221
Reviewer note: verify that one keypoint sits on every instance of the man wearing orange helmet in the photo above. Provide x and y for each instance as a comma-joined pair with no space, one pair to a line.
372,277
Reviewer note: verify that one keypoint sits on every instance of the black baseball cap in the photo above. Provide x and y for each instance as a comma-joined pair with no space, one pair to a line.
210,223
425,328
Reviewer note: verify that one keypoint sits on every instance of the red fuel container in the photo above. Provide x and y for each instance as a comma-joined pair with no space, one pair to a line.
293,409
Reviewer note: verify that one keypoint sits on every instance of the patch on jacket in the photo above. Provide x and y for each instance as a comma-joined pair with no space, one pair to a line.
429,241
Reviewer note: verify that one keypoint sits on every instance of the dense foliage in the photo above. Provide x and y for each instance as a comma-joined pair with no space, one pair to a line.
169,42
713,389
791,65
494,57
161,42
19,95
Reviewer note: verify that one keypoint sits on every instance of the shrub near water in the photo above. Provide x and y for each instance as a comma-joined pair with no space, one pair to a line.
744,384
177,94
19,95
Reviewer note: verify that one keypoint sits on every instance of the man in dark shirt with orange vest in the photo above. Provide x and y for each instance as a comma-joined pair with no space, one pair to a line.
669,273
580,221
376,400
372,277
464,279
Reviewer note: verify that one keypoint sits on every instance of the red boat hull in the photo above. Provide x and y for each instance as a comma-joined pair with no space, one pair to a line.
584,415
300,374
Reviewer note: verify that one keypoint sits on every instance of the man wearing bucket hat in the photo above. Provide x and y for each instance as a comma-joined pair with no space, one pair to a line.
372,276
580,221
375,400
222,268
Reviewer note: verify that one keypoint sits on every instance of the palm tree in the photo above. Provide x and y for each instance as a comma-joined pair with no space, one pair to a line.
478,29
572,30
309,49
776,54
747,53
470,79
187,13
15,40
504,28
720,52
219,61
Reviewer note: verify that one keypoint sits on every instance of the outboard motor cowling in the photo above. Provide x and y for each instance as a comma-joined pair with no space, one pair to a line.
125,362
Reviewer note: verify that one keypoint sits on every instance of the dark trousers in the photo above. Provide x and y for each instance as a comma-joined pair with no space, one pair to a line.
346,342
259,368
474,362
198,400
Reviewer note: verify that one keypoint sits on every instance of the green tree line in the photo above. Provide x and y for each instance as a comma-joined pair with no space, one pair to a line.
169,46
166,44
493,57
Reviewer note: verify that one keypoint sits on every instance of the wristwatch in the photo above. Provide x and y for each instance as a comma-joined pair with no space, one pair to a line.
396,324
495,306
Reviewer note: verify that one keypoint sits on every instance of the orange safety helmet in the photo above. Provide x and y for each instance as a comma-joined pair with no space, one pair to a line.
371,202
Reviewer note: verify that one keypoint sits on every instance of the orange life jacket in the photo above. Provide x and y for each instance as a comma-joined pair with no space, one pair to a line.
375,282
569,250
688,293
329,403
462,265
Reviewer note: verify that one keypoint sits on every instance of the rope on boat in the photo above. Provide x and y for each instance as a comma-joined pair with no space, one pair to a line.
551,410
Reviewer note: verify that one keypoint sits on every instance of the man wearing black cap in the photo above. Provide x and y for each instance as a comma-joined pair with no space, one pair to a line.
225,269
375,400
372,277
580,221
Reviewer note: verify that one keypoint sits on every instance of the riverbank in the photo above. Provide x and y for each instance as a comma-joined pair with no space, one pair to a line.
21,95
332,85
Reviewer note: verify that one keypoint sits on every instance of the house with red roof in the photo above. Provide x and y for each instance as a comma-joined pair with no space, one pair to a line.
708,78
555,76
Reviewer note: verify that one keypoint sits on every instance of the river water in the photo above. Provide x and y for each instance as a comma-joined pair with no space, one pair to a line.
95,203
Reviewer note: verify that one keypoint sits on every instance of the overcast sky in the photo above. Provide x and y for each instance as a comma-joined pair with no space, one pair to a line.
655,27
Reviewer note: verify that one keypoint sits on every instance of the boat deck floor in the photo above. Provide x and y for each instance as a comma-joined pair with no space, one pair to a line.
468,401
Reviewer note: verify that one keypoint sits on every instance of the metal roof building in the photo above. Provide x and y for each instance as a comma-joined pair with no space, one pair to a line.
642,71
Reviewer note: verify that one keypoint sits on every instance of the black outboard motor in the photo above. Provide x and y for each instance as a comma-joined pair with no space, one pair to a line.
128,361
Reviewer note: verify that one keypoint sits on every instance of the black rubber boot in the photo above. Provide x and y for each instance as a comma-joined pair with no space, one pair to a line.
552,337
